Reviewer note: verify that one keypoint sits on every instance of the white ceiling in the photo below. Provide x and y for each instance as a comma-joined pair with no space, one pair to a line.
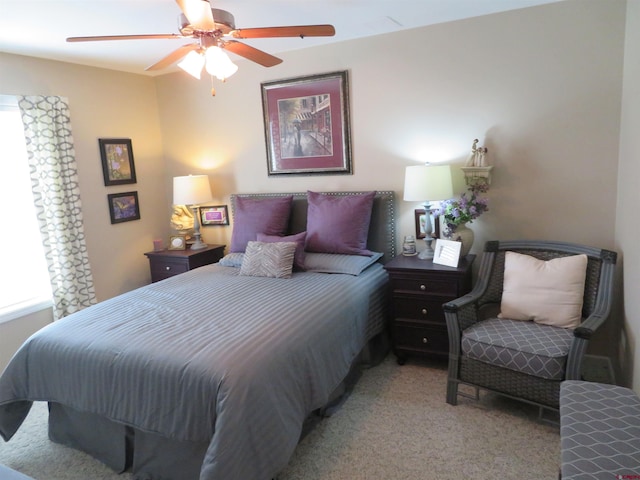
39,27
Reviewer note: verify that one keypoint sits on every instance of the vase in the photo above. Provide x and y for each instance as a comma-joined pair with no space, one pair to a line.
465,235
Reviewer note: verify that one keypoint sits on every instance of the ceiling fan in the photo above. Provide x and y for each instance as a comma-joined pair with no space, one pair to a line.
215,31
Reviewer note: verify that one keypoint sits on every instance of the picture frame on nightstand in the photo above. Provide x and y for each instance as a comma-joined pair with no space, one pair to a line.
177,242
420,220
447,252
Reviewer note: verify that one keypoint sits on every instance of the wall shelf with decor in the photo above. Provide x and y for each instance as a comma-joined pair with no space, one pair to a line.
477,175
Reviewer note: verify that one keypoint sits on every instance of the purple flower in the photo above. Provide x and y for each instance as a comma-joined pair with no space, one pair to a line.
463,209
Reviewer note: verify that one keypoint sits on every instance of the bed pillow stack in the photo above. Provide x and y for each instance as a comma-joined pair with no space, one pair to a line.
335,240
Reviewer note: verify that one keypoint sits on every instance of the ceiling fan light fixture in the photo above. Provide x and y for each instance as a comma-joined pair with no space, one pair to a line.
219,64
193,63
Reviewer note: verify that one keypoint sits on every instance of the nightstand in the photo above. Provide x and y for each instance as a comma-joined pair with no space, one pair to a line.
167,263
419,288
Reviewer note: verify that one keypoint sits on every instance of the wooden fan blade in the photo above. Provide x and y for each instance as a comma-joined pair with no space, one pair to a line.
251,53
293,31
199,14
124,37
174,56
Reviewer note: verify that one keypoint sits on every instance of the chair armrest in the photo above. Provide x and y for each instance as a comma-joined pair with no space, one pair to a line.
589,326
581,337
463,311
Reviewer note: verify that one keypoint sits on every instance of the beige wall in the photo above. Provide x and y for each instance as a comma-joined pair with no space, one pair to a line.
540,87
627,231
103,104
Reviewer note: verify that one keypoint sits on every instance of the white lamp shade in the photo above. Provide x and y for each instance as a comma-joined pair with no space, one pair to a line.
191,190
423,183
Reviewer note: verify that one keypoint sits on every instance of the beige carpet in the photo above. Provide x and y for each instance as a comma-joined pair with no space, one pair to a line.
394,425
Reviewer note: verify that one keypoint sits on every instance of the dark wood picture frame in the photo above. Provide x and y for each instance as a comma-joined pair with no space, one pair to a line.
123,207
307,126
435,223
117,161
214,215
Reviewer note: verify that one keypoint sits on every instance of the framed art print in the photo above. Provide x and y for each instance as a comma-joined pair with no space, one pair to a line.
117,161
216,215
306,125
123,207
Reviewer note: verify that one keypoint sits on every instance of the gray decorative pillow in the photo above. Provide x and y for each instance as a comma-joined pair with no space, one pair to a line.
339,263
263,259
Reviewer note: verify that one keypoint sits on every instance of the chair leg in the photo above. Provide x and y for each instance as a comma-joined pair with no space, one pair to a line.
452,384
452,392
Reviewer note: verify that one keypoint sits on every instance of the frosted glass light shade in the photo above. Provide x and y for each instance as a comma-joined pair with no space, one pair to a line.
219,64
191,190
423,183
192,64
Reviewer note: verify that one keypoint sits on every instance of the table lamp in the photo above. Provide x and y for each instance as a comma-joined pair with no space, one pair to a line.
193,190
425,183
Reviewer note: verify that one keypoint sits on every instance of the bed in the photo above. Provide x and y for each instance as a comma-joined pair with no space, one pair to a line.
211,374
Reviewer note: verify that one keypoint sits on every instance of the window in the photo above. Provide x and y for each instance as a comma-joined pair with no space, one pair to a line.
24,276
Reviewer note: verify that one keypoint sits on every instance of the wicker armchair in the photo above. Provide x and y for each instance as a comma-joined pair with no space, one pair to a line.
567,346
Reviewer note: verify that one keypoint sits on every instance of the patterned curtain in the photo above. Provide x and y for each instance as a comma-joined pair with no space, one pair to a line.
54,179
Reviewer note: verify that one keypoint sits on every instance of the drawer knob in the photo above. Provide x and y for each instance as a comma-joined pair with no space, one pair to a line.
425,340
167,268
424,311
422,287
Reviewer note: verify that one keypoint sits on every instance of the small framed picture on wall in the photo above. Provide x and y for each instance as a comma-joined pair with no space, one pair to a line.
123,207
117,161
215,215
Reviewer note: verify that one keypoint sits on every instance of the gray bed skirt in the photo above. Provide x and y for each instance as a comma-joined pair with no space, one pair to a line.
150,456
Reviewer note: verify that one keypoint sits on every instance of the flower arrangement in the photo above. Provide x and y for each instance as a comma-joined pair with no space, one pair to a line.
464,209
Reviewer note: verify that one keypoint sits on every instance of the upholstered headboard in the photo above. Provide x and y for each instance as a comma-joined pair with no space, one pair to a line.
382,229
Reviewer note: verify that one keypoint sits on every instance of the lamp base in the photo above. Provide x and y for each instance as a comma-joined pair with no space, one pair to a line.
426,254
198,245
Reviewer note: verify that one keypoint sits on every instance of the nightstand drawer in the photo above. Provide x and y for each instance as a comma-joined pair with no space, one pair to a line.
420,339
167,263
418,307
166,269
431,286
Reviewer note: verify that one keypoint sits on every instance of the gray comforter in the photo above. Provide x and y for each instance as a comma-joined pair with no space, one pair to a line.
238,362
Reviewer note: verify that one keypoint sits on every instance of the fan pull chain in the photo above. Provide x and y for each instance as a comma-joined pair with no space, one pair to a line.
213,90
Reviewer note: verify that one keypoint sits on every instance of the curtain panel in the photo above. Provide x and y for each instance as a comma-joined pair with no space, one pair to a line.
54,179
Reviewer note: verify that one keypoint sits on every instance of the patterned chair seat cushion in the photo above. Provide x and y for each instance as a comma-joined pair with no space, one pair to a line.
599,431
527,347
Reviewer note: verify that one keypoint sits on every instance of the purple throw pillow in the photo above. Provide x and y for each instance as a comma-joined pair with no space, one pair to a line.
298,238
338,223
268,215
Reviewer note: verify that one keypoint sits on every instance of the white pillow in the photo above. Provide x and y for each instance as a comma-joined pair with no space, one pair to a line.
547,292
268,259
